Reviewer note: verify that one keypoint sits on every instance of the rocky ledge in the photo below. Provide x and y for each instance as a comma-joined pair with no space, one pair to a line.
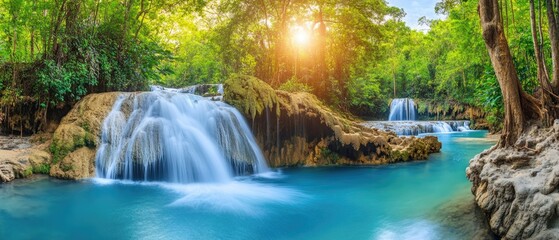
21,157
517,187
297,129
292,129
75,141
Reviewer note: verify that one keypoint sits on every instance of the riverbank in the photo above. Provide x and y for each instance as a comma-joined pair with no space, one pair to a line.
517,187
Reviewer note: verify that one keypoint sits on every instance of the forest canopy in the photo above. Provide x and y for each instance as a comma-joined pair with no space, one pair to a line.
355,55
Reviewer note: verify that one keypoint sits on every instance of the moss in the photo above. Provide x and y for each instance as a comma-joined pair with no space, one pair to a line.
429,109
69,139
41,168
89,140
399,155
328,155
251,95
27,172
57,153
85,126
66,167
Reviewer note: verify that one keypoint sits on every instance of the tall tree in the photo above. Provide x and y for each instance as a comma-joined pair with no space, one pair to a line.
520,107
552,17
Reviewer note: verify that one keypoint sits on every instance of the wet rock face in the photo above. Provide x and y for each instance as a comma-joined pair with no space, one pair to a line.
75,140
297,129
517,187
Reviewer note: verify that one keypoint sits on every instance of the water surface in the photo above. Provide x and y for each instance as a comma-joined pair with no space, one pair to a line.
399,201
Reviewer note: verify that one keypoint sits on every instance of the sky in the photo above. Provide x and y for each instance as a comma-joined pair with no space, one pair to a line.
415,9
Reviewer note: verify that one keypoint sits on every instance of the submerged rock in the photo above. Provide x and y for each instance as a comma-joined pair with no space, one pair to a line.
462,219
297,129
517,187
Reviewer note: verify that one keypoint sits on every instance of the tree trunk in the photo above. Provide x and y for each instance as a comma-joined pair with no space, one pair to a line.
554,37
542,75
32,45
519,106
394,81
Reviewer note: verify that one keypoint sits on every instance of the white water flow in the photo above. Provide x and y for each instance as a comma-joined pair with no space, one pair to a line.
402,121
419,127
176,137
402,109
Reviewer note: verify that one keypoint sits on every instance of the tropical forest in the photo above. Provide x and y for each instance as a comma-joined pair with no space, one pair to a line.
279,119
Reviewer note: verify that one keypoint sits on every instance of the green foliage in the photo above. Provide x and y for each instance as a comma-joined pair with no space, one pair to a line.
61,83
58,153
43,168
294,86
359,53
212,91
55,52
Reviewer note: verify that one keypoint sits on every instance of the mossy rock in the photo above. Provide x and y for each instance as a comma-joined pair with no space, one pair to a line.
68,138
344,141
250,95
75,140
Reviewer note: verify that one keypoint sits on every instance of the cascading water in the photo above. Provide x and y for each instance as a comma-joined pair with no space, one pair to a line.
402,121
402,109
176,137
419,127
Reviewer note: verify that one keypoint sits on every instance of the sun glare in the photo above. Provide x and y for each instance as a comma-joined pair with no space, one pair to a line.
301,36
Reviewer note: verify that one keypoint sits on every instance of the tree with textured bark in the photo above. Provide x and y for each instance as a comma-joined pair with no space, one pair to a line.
552,18
520,107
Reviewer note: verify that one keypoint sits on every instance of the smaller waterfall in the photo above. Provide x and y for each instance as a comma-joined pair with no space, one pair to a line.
402,109
419,127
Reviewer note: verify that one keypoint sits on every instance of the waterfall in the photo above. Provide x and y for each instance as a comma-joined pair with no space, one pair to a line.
176,137
402,109
419,127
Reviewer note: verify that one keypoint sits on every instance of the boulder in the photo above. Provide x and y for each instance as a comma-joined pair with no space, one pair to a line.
75,140
19,158
517,187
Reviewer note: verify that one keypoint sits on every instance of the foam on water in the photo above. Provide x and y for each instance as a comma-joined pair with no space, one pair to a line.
243,197
410,229
248,198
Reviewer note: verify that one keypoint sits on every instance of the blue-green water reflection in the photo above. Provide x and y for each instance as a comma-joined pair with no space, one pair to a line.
384,202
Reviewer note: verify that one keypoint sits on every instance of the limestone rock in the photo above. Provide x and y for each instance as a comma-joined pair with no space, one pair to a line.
297,129
76,138
517,187
76,165
9,170
19,158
